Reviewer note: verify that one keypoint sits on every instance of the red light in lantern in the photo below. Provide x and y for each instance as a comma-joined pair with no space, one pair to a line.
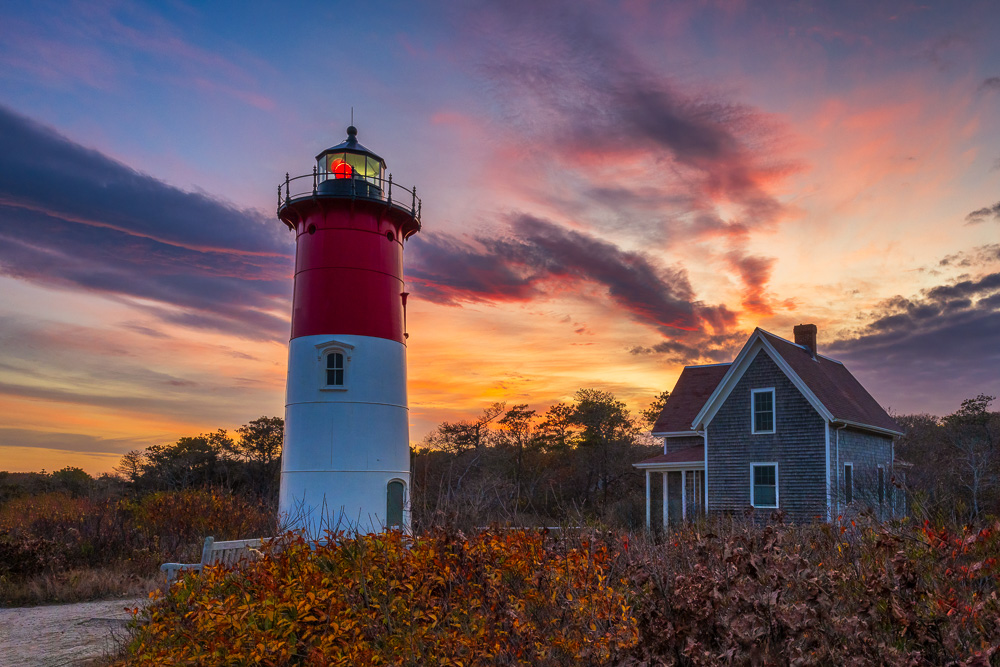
341,169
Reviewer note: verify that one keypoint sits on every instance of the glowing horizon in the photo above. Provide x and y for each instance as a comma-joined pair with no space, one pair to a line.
609,193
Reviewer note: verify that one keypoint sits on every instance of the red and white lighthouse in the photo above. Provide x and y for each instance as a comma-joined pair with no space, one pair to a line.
346,460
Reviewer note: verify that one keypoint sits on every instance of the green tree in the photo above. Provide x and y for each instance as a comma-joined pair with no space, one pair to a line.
972,432
259,447
464,435
556,431
952,465
189,462
260,441
652,413
609,433
130,466
517,424
74,480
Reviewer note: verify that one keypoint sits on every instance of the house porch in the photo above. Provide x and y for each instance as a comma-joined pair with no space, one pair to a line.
683,485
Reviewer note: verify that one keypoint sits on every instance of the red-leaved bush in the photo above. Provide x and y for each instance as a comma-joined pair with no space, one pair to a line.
856,594
725,593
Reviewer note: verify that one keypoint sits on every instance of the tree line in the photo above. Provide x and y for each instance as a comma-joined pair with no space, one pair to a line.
951,465
573,463
515,465
248,462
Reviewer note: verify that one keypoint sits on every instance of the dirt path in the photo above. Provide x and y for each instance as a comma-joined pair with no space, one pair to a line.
63,634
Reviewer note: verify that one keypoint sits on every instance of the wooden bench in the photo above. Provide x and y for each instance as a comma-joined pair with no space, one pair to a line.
217,553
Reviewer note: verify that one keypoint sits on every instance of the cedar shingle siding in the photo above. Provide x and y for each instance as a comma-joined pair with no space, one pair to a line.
685,442
798,445
801,444
866,451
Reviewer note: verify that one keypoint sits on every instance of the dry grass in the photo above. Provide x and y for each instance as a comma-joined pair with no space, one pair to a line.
56,548
76,585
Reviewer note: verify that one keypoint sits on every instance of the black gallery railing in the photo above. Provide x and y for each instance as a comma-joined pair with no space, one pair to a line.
322,184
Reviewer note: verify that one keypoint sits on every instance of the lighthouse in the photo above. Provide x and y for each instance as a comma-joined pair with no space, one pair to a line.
346,459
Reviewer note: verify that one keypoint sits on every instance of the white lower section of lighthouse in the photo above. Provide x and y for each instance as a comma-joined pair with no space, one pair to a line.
346,460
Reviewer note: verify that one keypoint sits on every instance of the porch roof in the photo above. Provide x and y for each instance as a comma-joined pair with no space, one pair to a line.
693,456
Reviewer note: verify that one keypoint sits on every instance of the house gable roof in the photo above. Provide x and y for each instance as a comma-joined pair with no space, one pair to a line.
826,383
694,386
836,388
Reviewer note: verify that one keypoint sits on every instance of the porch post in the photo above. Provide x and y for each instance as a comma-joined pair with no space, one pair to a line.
664,498
684,495
647,500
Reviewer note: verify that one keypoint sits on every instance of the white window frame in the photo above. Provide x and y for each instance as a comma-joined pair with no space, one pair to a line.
777,498
323,351
848,492
753,411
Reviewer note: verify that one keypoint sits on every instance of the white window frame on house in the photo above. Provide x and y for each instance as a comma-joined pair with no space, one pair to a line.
848,484
753,469
753,411
324,351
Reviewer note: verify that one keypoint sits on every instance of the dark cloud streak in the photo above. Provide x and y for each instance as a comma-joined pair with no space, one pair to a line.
73,218
944,342
983,214
582,92
534,257
73,442
990,83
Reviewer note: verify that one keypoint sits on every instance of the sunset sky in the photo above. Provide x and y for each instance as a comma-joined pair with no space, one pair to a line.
610,192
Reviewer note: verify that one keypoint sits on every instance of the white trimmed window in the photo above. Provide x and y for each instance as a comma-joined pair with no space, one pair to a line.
849,483
764,484
334,360
335,369
762,411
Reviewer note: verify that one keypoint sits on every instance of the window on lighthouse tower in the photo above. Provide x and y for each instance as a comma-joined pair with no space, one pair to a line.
332,360
335,369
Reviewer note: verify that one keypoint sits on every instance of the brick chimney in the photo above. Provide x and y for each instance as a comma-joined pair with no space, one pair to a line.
805,335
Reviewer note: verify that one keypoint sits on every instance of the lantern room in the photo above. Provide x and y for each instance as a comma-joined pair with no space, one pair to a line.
349,166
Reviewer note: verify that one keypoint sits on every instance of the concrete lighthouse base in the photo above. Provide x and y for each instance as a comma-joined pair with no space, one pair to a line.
346,460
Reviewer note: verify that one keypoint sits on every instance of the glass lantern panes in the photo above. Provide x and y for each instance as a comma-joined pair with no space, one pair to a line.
335,369
352,165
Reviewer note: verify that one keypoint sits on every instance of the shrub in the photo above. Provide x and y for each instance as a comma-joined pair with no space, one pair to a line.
42,537
494,599
176,520
860,593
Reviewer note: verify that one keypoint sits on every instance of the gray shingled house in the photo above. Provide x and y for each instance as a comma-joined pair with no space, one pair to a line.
779,428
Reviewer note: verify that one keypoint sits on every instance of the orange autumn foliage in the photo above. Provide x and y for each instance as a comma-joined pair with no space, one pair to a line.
726,591
496,598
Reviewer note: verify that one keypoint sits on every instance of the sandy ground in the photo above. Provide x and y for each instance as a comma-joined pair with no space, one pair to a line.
63,634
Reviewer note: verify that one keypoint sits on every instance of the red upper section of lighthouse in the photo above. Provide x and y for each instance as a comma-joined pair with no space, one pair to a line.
350,231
